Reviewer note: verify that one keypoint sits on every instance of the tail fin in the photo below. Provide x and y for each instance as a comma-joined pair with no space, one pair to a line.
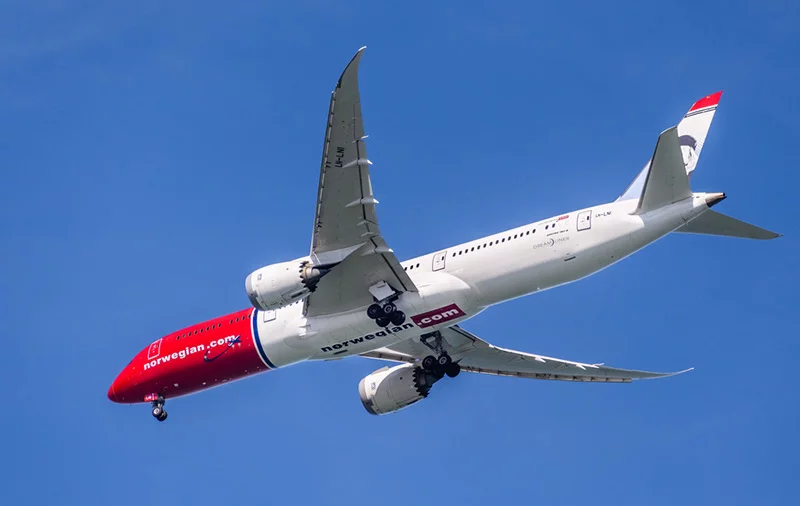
714,223
666,180
692,132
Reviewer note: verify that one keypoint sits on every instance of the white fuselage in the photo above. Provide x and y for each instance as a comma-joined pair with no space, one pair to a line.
477,274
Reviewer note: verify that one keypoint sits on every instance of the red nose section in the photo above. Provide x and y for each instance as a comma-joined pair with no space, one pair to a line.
111,395
121,390
193,359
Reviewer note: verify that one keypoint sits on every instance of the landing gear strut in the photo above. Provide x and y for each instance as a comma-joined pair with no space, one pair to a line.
158,409
442,363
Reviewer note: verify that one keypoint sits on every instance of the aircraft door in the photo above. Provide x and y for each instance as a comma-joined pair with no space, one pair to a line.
584,220
438,260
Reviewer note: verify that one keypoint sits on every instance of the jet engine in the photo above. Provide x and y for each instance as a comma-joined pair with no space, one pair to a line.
391,389
279,285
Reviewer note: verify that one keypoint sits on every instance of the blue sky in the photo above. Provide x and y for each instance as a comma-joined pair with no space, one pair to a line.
153,154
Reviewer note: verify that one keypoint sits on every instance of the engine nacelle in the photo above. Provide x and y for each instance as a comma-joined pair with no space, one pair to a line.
279,285
391,389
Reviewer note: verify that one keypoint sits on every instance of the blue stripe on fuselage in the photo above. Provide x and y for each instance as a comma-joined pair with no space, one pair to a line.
257,340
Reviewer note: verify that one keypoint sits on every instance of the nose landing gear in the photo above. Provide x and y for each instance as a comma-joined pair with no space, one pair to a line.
159,412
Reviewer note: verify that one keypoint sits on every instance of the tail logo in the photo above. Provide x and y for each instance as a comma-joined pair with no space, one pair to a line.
689,151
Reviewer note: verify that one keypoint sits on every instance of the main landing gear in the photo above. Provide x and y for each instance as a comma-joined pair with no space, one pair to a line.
386,314
442,363
383,311
158,408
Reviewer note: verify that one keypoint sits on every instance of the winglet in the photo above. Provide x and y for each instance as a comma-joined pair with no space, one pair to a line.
354,61
667,374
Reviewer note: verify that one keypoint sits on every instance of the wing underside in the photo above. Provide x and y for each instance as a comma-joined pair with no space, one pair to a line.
346,234
476,355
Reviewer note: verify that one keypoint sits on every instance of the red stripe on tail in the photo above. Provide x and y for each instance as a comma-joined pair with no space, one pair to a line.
708,101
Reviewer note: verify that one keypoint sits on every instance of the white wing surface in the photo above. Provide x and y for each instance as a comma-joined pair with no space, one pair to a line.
346,233
476,355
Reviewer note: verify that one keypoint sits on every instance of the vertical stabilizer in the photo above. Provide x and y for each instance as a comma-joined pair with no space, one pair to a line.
692,132
666,181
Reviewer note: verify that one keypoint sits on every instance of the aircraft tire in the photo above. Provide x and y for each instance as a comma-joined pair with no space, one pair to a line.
398,318
374,311
452,370
429,363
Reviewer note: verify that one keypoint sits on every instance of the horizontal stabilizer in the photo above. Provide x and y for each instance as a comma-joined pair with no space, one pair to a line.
667,181
714,223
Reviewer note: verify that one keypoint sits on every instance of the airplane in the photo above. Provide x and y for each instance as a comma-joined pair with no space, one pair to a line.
351,296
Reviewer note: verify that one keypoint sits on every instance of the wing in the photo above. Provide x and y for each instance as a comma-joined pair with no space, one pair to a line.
346,232
476,355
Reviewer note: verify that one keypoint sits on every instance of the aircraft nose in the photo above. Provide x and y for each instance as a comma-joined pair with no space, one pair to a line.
119,391
112,396
114,390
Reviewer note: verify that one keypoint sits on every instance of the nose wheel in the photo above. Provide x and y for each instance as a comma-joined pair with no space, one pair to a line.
159,412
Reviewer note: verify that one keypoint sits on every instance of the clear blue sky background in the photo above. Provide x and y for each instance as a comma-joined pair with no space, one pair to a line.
153,154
